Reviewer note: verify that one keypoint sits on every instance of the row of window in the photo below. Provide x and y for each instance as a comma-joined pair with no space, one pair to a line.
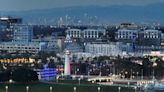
85,36
22,48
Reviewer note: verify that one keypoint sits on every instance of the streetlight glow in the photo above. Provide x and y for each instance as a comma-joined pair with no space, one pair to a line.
98,89
6,87
27,88
119,88
50,89
135,89
79,80
74,89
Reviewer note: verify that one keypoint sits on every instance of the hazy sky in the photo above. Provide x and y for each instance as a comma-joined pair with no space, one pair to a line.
18,5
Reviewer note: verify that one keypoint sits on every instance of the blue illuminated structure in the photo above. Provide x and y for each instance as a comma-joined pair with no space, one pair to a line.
47,73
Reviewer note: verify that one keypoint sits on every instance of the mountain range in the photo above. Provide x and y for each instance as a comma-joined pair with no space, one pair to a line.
98,14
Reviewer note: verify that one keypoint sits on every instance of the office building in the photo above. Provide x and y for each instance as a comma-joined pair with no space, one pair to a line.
22,47
23,33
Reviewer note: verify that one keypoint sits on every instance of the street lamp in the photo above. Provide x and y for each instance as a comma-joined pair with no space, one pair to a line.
135,89
131,71
141,74
79,80
88,73
119,88
74,89
57,78
27,88
98,89
137,75
128,84
50,89
6,87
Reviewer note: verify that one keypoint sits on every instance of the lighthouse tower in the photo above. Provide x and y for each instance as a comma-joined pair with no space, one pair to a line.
67,70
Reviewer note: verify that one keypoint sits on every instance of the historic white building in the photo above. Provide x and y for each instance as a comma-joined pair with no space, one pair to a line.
86,33
75,33
123,34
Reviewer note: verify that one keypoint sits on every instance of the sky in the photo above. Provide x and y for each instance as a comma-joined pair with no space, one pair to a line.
20,5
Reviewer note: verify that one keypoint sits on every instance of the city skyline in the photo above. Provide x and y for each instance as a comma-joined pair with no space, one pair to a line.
21,5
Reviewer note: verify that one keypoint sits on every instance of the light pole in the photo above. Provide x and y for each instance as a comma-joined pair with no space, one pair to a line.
131,71
6,87
113,68
119,88
154,65
88,73
57,78
79,80
98,89
128,84
74,89
27,88
135,88
141,74
137,75
50,89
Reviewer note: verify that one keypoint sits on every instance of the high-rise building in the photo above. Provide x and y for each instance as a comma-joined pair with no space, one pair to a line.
6,27
23,33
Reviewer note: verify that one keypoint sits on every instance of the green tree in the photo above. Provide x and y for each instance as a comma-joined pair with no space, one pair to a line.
24,75
5,75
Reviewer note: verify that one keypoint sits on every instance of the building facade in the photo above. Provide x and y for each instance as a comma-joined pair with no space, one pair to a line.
75,33
107,49
148,41
22,41
23,33
127,36
86,33
22,47
149,38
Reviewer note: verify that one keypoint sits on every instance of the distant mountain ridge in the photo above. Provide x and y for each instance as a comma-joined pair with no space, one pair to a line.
108,14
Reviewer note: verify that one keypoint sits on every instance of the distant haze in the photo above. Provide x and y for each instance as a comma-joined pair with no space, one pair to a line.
19,5
152,13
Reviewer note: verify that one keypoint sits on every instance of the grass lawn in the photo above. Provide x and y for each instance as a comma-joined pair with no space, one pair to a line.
65,86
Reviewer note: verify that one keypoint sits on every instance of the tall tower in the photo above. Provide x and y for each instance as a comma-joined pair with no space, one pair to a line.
67,70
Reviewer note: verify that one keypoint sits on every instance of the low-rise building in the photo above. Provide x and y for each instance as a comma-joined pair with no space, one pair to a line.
75,33
86,33
50,42
22,47
127,36
148,41
107,49
149,38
